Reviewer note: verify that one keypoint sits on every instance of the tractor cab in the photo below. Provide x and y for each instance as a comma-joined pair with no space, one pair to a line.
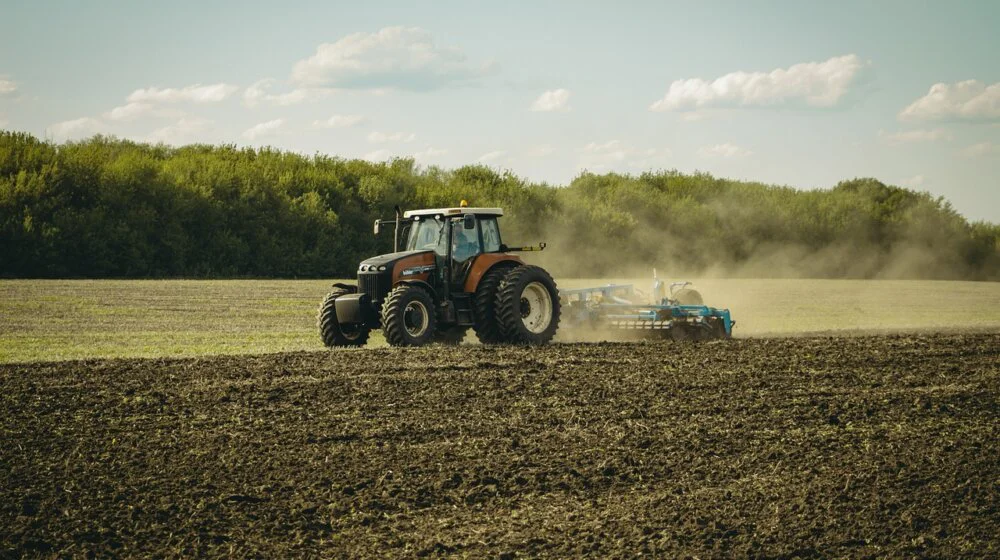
456,236
442,278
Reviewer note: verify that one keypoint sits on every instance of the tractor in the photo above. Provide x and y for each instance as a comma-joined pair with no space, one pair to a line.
453,273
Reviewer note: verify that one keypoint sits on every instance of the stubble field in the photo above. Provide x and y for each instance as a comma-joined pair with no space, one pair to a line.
42,320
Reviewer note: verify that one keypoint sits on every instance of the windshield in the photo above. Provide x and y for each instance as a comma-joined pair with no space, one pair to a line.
428,234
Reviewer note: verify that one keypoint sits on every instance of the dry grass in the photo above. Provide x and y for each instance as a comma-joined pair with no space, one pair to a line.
75,319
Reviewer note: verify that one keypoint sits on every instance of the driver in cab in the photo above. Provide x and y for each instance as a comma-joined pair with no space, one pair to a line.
466,244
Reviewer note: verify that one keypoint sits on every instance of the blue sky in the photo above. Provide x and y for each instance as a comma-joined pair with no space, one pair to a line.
796,93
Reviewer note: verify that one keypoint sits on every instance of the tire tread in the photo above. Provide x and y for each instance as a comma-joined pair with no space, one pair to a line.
508,306
329,326
487,326
392,315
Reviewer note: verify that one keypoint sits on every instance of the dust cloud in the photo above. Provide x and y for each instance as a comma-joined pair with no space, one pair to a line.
776,288
919,250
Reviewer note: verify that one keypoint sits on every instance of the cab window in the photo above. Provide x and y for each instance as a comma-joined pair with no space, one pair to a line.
491,235
465,242
428,233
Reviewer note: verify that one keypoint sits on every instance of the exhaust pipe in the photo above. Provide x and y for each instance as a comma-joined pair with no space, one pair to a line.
395,234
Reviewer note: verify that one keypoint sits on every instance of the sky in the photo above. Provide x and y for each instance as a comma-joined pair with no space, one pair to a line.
803,94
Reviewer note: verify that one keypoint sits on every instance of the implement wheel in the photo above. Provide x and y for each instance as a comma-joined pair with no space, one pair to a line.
527,306
331,331
687,296
408,316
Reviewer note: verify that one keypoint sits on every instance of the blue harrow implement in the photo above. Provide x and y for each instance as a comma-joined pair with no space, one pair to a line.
681,315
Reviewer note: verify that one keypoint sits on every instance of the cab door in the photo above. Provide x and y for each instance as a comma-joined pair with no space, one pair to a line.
466,245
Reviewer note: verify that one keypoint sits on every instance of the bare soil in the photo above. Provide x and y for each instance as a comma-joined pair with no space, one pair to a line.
809,447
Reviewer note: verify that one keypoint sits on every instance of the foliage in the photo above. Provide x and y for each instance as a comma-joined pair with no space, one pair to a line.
113,208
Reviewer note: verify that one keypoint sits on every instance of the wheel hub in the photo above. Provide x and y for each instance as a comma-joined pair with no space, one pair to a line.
536,307
415,319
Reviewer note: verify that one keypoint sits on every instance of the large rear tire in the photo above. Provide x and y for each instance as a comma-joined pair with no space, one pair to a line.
527,306
408,316
331,331
487,326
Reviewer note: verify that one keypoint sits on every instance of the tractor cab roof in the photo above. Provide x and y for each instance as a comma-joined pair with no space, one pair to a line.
483,212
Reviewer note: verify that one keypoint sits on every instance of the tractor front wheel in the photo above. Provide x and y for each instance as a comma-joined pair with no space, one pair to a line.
408,316
527,306
331,331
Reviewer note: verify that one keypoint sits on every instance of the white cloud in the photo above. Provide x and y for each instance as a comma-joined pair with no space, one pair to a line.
3,122
814,84
726,150
393,57
296,96
186,130
969,100
193,94
378,155
149,102
340,121
429,154
74,129
615,155
914,181
132,111
268,128
982,149
911,136
129,112
382,137
491,156
611,151
7,88
553,100
257,93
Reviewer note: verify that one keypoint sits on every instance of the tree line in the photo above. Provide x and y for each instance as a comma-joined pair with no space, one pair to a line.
106,207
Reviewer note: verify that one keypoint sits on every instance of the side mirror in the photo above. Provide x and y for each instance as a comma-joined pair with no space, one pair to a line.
469,221
377,224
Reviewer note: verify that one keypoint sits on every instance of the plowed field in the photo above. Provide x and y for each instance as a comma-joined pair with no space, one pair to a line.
806,447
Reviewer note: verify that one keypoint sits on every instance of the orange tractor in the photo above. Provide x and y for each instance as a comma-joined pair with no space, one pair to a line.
453,273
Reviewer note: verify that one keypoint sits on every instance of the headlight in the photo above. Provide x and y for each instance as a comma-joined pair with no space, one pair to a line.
381,268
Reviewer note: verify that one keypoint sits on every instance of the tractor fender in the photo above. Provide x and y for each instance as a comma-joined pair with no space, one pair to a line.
423,284
485,263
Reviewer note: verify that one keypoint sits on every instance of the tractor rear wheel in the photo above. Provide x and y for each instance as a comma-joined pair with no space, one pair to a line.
527,306
408,316
688,296
487,326
331,331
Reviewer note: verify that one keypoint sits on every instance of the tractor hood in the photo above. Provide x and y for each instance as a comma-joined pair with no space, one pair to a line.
390,259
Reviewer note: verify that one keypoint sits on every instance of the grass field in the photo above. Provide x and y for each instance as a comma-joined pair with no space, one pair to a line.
75,319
